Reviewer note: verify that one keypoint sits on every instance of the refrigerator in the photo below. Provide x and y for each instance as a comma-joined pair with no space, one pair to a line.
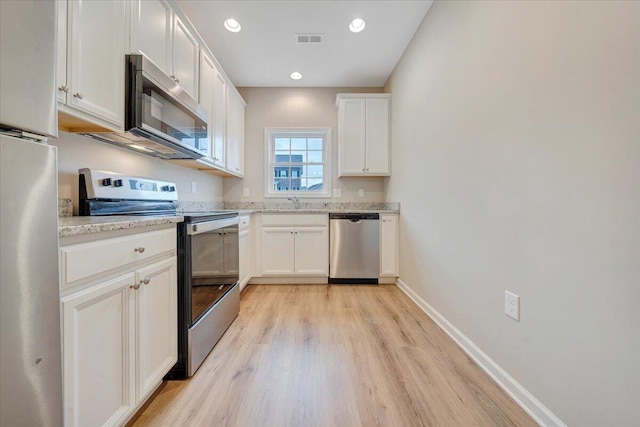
30,345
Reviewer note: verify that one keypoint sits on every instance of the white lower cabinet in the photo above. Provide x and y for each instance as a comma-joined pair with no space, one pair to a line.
119,330
278,251
311,247
294,245
156,321
244,249
389,245
98,389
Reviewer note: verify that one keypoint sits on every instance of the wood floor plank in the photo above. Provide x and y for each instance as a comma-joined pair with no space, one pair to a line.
327,355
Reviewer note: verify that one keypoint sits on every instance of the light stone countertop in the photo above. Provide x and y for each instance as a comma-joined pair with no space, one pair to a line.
77,225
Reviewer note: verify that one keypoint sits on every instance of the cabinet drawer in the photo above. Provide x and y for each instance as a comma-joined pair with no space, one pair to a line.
83,260
294,220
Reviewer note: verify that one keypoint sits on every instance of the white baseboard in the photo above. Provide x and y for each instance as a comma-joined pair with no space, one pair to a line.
540,413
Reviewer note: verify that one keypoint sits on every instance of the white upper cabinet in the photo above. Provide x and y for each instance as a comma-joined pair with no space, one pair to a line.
212,97
219,118
235,133
363,132
151,22
185,58
91,72
158,33
207,74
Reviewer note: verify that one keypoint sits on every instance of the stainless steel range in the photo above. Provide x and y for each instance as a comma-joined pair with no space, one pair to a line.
208,258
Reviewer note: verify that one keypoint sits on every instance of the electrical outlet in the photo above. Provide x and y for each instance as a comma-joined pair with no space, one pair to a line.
361,192
194,187
246,192
512,305
337,192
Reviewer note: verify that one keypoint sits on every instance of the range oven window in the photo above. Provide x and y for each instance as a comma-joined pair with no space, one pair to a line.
214,267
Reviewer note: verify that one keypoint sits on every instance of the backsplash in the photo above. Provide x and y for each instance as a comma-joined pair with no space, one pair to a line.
195,206
332,206
65,207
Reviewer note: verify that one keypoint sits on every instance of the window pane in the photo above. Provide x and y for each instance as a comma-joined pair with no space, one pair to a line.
282,144
282,184
298,143
314,156
282,157
314,172
298,156
314,184
296,171
315,143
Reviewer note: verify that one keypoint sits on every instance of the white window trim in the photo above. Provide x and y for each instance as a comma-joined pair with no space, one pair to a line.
326,161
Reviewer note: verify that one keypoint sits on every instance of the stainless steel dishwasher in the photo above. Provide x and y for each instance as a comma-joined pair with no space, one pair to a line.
354,254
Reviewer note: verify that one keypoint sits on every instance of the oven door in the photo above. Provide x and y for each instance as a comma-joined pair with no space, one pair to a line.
214,263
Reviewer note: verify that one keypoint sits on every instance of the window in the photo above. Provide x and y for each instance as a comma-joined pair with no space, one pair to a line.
297,162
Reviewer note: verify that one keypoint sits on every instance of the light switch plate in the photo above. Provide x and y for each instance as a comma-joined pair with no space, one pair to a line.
361,192
246,192
194,186
512,305
337,192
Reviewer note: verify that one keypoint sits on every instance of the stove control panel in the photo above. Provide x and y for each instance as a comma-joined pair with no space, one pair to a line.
110,185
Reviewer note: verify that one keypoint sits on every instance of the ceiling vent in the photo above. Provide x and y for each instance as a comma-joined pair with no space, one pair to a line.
309,38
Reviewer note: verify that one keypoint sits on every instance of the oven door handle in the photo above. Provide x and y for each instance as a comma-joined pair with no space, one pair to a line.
207,226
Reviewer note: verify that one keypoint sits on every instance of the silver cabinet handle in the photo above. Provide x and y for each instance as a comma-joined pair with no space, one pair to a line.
172,77
64,88
140,249
78,95
135,287
177,81
146,281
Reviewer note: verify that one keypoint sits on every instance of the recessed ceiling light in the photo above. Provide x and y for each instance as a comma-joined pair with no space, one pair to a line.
357,25
232,25
296,75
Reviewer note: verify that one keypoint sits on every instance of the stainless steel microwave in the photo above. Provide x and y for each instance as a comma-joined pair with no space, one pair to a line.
161,119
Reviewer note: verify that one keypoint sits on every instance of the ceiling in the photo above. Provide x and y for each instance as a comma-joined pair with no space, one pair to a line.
266,51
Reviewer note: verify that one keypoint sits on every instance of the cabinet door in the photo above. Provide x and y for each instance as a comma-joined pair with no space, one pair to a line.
311,251
98,367
156,320
389,245
377,136
185,58
277,251
61,64
207,76
151,31
220,119
96,64
243,249
352,136
235,133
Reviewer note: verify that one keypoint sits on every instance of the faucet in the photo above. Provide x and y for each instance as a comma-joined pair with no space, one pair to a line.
296,202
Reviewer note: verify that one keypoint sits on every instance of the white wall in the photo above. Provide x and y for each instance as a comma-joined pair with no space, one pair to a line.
516,157
77,151
294,107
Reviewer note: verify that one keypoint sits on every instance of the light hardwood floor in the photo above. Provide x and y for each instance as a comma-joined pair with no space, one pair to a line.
333,355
